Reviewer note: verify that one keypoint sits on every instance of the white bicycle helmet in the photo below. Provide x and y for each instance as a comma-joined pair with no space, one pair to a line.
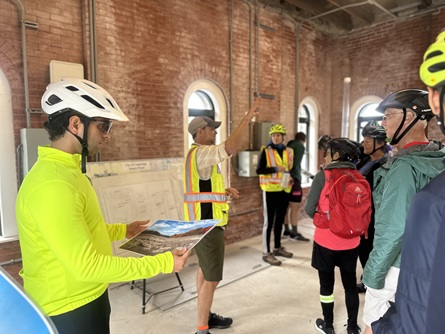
83,96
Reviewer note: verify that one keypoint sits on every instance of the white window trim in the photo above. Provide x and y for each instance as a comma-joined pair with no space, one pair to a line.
355,110
8,175
219,101
313,108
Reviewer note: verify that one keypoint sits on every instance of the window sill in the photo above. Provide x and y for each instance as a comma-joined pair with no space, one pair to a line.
5,240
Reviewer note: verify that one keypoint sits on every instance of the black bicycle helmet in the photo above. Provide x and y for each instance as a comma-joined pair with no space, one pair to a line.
347,149
374,130
322,141
415,100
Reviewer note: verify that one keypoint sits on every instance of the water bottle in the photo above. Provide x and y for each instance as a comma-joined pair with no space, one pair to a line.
285,180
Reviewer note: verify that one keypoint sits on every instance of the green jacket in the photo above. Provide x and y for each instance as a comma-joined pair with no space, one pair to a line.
65,242
395,184
298,148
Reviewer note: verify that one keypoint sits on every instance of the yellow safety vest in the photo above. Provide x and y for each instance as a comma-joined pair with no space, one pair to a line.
193,197
272,182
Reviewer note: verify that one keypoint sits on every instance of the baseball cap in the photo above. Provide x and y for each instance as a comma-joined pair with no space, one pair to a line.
200,122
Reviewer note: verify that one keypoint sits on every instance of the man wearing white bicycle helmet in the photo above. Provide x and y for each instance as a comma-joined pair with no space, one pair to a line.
65,242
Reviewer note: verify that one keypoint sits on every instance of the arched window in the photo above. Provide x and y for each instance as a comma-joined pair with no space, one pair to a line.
366,114
200,104
206,98
304,122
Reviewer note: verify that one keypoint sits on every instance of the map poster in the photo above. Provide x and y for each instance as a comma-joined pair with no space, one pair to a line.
168,235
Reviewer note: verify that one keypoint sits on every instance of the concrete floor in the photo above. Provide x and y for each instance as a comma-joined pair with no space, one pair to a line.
282,299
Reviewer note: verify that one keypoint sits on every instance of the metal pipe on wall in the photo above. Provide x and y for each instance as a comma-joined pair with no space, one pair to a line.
251,134
297,47
345,107
21,9
93,42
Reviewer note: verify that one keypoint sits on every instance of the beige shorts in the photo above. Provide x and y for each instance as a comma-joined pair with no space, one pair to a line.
377,300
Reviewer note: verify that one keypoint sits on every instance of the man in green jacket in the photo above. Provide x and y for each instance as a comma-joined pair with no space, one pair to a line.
416,162
65,242
297,145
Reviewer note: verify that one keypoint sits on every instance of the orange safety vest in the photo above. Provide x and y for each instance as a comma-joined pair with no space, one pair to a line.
272,182
193,197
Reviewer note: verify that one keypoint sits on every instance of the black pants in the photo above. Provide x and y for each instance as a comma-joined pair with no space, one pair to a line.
325,260
92,318
275,207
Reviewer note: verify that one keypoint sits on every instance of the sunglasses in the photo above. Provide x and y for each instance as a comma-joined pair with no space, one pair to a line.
387,116
104,126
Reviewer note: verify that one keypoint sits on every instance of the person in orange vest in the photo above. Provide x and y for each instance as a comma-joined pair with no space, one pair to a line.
275,163
205,197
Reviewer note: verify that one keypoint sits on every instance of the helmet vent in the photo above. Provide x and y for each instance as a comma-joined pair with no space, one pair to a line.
111,103
92,101
53,99
433,54
437,67
72,88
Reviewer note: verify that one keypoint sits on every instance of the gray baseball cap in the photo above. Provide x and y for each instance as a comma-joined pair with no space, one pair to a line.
200,122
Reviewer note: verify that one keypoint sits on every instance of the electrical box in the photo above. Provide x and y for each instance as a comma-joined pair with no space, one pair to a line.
262,137
247,163
31,139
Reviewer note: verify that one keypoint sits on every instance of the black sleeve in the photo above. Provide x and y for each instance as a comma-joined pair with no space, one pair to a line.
262,165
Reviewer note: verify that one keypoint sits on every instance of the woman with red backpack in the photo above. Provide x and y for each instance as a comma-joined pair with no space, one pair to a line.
331,249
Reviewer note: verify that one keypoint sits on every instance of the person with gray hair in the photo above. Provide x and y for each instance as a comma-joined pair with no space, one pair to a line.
418,160
420,296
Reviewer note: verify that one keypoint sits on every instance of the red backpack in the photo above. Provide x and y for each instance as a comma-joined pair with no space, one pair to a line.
344,206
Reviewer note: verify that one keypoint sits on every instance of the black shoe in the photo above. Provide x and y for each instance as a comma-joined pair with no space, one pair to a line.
286,233
361,288
217,321
353,329
299,237
320,325
206,332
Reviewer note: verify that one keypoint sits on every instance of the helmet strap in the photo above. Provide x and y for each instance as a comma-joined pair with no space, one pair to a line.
376,149
395,139
84,143
441,115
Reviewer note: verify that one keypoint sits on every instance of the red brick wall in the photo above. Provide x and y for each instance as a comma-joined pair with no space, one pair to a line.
149,52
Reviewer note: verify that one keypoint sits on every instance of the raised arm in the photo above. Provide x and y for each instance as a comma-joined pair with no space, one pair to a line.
234,139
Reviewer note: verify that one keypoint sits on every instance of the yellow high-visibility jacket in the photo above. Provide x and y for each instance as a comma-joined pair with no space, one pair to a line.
65,242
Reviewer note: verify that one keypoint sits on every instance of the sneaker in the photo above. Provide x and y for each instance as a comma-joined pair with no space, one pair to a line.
361,287
299,237
282,252
272,260
218,321
286,233
353,329
320,326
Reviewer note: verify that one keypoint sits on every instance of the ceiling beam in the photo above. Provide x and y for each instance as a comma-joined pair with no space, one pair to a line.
363,12
318,8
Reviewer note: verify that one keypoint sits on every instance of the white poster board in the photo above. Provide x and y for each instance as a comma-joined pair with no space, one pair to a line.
140,193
